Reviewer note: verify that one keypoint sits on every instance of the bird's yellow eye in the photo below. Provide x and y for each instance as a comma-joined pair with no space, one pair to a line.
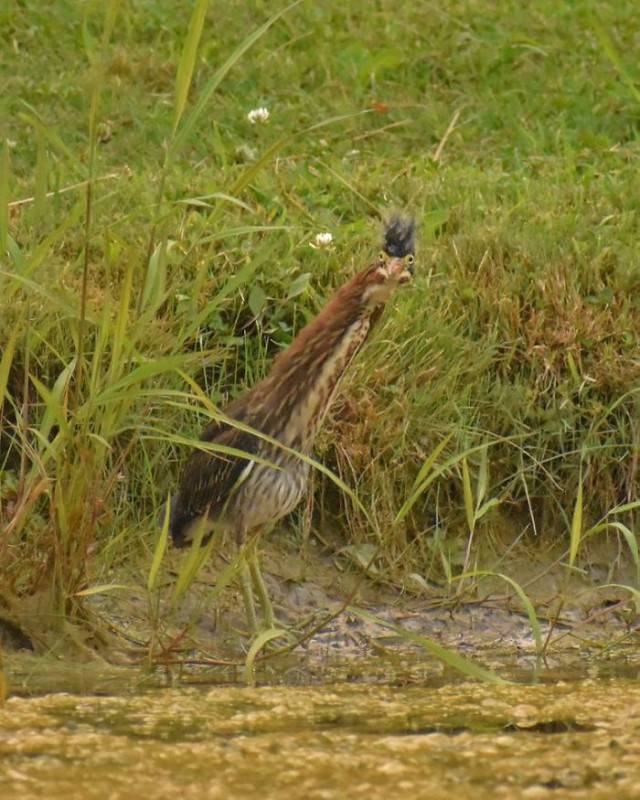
382,257
410,259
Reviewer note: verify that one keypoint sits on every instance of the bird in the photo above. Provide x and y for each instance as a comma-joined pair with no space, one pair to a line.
257,476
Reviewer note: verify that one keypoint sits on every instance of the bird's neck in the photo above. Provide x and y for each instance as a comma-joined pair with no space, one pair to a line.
305,377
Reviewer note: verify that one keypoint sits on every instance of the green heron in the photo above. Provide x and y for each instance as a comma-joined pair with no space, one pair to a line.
238,494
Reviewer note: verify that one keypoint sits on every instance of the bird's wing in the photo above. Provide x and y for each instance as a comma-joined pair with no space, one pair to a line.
210,478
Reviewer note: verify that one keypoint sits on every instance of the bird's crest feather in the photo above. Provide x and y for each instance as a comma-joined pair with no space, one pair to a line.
399,237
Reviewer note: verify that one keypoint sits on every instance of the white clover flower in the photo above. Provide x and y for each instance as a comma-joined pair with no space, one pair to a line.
258,115
321,241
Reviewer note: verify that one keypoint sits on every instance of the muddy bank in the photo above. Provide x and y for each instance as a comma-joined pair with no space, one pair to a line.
579,628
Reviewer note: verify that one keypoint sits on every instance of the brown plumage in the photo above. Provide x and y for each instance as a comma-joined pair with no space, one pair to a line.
233,492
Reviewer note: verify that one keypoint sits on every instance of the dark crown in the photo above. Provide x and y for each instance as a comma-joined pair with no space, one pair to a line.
399,237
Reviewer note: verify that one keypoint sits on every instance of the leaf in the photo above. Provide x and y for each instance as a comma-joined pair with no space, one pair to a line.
55,300
5,177
483,477
245,178
430,223
428,464
629,536
137,376
625,507
487,507
526,602
216,79
258,643
299,285
160,548
118,337
443,468
614,57
201,201
55,399
468,496
257,299
56,143
155,278
43,251
193,563
5,364
184,74
241,278
101,589
576,525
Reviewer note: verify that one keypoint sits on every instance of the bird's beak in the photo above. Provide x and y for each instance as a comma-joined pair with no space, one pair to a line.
400,270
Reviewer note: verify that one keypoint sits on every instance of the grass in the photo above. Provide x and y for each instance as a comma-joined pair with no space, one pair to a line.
155,257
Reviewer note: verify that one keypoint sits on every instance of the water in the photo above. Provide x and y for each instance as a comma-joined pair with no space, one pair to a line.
568,739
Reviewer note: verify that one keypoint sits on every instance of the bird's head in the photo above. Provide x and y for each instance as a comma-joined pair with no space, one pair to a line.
394,265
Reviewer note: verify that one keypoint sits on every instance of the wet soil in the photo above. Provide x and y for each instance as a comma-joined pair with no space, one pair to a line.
584,629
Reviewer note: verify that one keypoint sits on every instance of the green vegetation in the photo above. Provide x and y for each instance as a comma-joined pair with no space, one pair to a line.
155,256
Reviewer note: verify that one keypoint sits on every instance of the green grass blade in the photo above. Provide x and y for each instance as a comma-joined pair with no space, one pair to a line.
54,399
63,529
104,335
154,288
632,544
242,230
233,284
5,196
622,509
201,201
482,483
258,643
441,470
102,589
5,365
184,74
468,496
226,576
160,548
576,524
41,177
526,602
448,657
614,57
485,507
193,563
57,301
138,376
245,178
119,334
629,537
425,469
4,683
190,122
55,142
44,249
